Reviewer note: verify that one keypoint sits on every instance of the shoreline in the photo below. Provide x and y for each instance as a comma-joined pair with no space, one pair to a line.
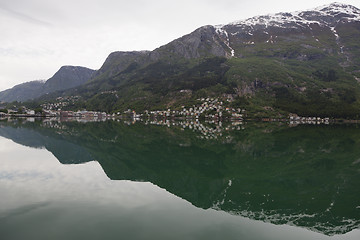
172,119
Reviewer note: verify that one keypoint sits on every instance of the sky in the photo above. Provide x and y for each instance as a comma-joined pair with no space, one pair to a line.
39,36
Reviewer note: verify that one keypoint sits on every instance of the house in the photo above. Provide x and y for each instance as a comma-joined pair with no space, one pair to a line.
30,112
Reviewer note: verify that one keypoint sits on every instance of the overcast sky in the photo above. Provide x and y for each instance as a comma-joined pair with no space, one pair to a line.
40,36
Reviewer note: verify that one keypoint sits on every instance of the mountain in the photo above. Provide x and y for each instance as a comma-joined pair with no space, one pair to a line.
66,77
22,92
304,62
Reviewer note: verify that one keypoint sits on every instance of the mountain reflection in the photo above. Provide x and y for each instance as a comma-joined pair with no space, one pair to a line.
306,176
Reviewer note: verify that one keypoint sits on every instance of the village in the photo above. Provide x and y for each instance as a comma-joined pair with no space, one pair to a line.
209,108
209,119
206,109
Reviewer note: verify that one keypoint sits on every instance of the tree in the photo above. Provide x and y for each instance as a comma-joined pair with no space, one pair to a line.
332,76
38,110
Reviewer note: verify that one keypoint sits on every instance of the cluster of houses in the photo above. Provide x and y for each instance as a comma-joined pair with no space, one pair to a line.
55,115
22,112
60,103
210,108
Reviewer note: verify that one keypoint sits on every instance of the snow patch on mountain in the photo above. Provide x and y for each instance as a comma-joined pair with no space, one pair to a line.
335,33
303,18
223,33
328,16
336,8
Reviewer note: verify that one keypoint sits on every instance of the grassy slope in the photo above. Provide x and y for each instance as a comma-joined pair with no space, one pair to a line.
303,87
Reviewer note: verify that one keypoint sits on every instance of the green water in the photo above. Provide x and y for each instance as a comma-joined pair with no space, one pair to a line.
110,180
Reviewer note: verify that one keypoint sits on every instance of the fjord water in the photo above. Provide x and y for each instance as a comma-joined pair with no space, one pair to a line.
109,180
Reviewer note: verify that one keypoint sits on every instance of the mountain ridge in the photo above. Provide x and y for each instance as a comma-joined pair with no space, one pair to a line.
66,77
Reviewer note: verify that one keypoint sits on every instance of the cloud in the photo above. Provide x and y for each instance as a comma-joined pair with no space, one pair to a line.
22,16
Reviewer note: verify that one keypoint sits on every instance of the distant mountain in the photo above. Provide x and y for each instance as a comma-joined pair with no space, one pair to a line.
66,77
22,92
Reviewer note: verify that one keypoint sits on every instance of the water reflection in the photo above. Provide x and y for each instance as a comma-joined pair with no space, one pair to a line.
305,176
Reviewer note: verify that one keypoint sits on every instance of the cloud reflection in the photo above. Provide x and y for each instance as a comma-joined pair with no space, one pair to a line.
44,199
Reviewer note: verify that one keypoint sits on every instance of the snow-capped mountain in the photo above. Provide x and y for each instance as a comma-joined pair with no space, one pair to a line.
235,39
270,28
327,15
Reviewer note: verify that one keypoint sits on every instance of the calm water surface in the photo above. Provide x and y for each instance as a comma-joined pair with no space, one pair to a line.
115,181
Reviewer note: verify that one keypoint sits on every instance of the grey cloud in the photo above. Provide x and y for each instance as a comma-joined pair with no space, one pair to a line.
22,16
